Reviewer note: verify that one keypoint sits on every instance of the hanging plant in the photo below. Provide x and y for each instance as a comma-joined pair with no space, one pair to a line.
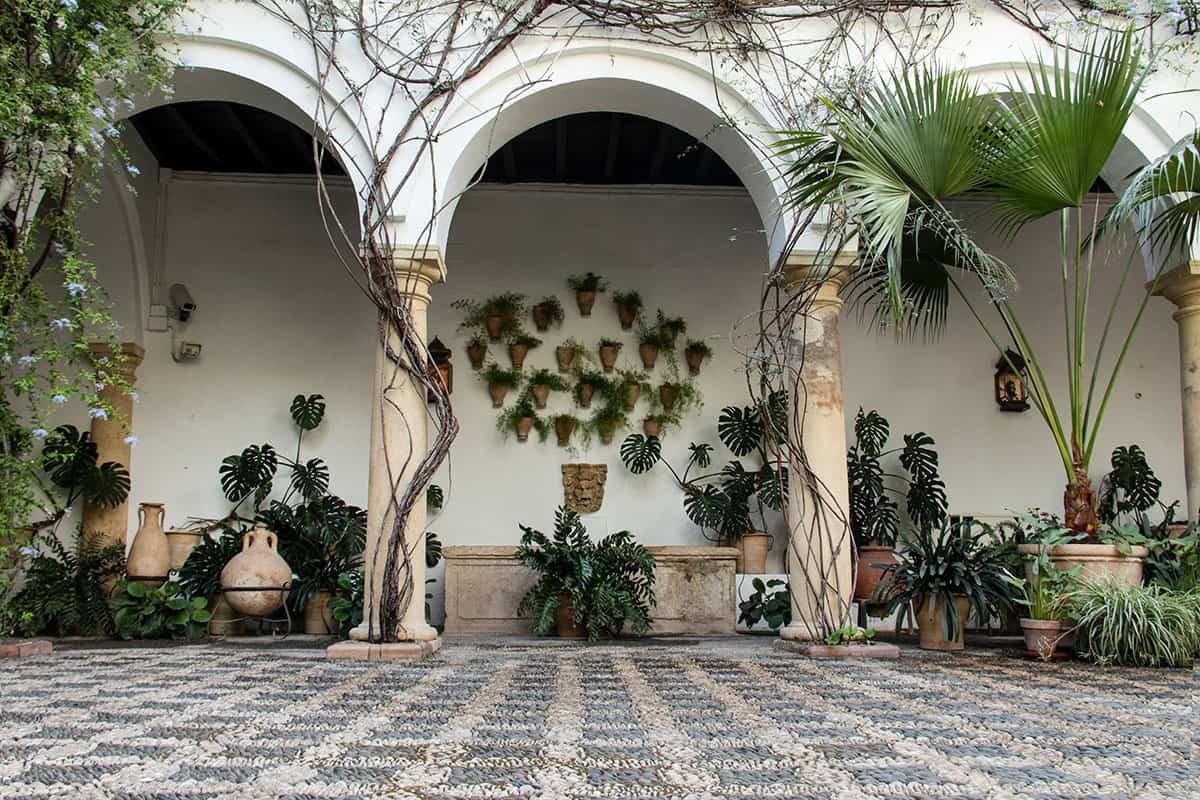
499,381
696,353
669,329
588,384
519,346
649,341
608,353
541,383
519,418
629,306
546,312
631,385
564,426
498,316
568,354
477,350
654,424
586,287
677,398
608,420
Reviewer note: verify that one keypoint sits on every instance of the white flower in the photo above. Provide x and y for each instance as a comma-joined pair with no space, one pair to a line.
134,396
31,552
71,4
98,113
59,398
93,47
131,441
60,323
134,171
39,433
98,413
76,289
27,361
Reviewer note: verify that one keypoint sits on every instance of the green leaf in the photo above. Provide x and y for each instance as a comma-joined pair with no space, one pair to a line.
307,412
740,429
640,453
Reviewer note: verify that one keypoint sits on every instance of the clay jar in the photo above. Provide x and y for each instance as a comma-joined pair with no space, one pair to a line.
150,557
255,581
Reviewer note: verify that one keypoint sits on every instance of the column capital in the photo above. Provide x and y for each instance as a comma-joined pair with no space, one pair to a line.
131,354
415,269
829,273
1182,287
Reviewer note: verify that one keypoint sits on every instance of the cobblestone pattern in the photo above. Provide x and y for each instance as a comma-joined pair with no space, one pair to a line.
572,721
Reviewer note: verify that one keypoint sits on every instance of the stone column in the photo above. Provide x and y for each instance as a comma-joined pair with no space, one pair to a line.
1182,287
820,555
112,524
399,438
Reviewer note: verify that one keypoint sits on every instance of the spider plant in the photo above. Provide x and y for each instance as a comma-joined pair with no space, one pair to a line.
930,136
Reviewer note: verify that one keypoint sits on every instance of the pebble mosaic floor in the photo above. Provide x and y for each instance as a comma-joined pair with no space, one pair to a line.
708,719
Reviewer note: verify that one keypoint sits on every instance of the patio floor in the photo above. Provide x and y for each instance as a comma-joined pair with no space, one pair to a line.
522,718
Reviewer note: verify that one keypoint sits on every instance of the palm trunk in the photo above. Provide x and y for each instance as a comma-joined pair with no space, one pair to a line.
1079,499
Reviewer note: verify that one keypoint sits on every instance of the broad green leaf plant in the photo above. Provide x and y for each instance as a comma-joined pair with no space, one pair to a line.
892,166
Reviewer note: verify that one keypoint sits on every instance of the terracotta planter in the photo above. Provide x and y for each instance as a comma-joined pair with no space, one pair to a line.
1099,561
586,390
540,393
583,486
651,427
180,545
1042,636
632,392
563,428
477,353
608,357
564,620
585,300
318,619
498,391
494,323
649,354
256,580
930,628
694,359
524,425
224,622
868,576
517,353
541,316
606,433
626,316
565,357
668,393
150,557
668,339
752,553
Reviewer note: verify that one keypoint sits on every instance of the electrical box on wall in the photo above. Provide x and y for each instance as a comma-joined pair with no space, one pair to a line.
158,318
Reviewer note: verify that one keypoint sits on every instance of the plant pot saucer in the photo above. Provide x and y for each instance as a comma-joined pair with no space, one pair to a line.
822,650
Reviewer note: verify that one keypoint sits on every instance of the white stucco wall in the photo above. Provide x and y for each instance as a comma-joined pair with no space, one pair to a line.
277,316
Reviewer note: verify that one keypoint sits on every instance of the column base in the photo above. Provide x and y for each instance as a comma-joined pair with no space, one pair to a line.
387,651
421,632
798,633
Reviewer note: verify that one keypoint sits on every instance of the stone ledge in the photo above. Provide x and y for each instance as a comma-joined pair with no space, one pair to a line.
19,648
389,651
819,650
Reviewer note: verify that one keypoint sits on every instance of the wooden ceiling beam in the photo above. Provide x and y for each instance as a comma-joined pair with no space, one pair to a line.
193,138
261,160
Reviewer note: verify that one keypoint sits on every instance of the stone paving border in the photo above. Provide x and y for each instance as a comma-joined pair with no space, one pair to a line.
19,648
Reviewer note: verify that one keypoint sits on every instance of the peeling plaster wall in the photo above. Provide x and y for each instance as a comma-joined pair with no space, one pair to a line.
277,316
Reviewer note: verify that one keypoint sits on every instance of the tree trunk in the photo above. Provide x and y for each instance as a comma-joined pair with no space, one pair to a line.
1079,500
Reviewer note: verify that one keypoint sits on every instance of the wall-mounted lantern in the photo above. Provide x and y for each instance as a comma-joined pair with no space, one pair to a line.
1010,385
441,362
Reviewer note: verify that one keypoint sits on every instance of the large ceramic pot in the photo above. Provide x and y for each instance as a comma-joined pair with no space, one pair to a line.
225,621
752,553
1098,561
929,626
868,576
150,557
256,580
564,620
318,619
180,545
1042,636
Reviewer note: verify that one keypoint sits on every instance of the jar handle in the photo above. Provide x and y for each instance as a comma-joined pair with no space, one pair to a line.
141,517
272,541
247,540
162,516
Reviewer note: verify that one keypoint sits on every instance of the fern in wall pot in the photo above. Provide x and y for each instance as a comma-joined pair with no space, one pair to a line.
586,588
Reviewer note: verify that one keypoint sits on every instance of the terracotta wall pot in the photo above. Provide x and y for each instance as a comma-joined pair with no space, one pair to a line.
524,425
1099,561
667,337
752,553
517,353
541,316
1042,636
649,354
255,581
495,325
626,316
632,392
318,620
180,545
477,353
150,556
585,300
224,622
930,628
694,359
498,391
606,433
563,428
608,357
540,394
668,393
564,620
651,427
565,357
586,390
583,486
867,575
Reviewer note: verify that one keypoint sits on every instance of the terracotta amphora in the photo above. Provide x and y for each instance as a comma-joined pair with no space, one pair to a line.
256,580
150,557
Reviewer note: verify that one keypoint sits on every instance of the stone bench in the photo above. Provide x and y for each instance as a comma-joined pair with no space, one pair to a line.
695,588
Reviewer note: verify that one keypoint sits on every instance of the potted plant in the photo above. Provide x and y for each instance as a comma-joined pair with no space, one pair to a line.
586,287
586,588
569,354
941,575
498,316
631,384
519,418
564,426
677,397
587,385
200,576
477,350
1044,594
649,341
546,312
160,612
541,383
608,353
771,601
607,420
669,329
499,381
629,306
695,354
519,345
654,424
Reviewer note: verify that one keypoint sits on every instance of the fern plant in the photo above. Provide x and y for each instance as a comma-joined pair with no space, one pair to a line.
609,583
200,575
65,587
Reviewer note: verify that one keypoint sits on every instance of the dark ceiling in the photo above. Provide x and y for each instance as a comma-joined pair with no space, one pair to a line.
592,148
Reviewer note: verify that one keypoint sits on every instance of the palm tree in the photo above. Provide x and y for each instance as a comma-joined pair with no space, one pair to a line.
892,166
